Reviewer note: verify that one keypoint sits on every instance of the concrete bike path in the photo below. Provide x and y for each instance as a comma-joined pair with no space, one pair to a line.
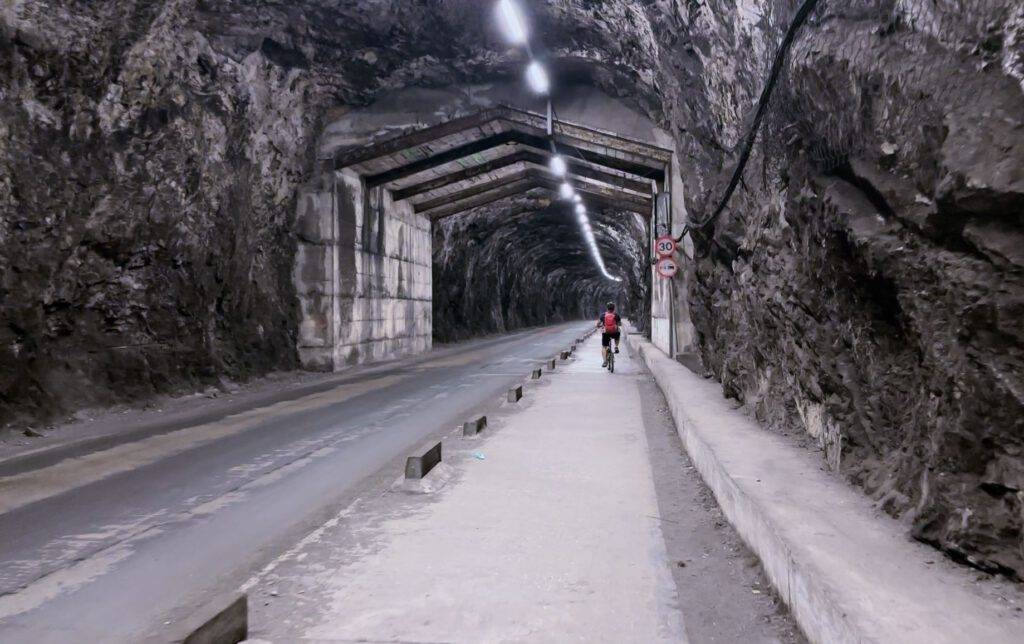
548,531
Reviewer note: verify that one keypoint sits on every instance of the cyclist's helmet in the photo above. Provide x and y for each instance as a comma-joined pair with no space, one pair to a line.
611,306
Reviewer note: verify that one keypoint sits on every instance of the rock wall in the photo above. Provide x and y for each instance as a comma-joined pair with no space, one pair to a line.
146,191
362,274
865,282
151,154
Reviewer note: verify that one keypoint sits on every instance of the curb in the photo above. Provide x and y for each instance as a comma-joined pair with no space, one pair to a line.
847,573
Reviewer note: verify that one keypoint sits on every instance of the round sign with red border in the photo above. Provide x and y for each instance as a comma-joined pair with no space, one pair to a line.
665,246
667,267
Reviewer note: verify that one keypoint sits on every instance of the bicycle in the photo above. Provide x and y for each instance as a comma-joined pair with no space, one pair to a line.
611,359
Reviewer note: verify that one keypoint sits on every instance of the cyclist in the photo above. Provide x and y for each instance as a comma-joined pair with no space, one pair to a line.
610,321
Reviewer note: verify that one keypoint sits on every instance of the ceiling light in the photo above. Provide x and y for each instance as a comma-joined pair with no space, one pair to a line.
581,209
577,199
537,78
565,191
557,166
513,25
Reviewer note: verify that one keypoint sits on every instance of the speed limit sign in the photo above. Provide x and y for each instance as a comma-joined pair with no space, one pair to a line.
667,267
665,246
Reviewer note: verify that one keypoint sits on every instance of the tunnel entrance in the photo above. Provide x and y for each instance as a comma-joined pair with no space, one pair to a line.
459,210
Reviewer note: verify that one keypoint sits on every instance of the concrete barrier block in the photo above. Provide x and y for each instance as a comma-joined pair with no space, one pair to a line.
475,426
224,620
515,394
565,355
536,374
416,467
551,364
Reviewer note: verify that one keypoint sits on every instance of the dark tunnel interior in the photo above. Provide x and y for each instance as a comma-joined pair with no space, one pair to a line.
524,262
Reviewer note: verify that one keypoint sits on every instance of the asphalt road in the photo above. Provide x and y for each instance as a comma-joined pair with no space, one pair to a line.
116,538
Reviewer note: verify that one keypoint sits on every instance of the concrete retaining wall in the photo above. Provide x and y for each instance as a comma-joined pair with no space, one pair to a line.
362,273
848,573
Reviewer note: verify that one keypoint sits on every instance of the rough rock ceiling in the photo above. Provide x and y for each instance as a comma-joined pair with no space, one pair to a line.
496,153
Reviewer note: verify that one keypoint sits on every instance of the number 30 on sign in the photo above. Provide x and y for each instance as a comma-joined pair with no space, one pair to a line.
665,246
667,267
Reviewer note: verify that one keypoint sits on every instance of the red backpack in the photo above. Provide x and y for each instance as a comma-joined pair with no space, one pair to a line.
609,323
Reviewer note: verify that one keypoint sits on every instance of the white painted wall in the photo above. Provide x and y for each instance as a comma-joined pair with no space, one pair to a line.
363,275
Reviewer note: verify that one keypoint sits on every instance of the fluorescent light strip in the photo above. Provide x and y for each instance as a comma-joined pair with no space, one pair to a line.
513,25
512,22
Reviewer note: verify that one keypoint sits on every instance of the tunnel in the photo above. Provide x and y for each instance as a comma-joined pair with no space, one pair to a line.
460,224
210,204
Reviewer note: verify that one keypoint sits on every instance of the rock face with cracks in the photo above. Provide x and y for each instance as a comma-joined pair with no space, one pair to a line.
865,283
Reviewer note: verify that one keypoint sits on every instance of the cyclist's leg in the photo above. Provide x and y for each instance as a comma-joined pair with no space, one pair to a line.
605,347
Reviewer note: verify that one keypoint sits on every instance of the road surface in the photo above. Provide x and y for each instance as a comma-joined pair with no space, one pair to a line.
111,540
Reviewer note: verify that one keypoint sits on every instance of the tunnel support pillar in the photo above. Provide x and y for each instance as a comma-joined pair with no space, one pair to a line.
362,274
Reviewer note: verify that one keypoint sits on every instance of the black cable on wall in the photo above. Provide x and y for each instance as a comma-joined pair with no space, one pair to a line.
799,19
